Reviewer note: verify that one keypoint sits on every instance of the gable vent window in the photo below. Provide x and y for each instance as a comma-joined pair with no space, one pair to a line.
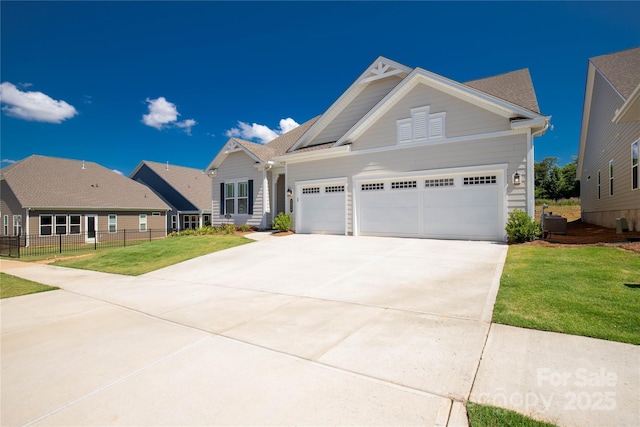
441,182
479,180
334,189
372,187
311,190
421,127
403,184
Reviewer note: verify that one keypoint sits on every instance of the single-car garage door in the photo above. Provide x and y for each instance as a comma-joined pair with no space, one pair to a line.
321,208
455,206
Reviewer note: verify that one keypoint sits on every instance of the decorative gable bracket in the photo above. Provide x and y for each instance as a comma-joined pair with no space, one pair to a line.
232,146
380,71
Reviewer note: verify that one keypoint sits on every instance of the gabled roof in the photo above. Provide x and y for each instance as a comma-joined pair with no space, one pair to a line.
259,152
52,182
191,183
515,87
621,69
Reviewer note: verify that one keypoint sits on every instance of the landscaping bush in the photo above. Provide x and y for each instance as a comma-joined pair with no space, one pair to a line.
282,222
228,228
521,227
245,228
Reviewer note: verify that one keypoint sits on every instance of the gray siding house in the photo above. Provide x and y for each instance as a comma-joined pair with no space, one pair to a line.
402,152
48,196
186,190
608,167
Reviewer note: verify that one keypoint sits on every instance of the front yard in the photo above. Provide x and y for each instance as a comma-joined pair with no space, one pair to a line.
12,286
586,291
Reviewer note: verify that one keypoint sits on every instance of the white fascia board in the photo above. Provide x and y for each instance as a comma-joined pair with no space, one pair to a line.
458,90
630,110
225,151
135,171
344,100
497,167
586,115
537,122
306,156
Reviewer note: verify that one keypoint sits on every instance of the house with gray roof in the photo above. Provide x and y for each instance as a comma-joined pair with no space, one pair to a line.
48,196
608,167
402,152
186,190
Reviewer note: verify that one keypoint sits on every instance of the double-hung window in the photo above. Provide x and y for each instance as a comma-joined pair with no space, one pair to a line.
74,224
61,224
6,225
599,182
46,225
142,222
635,171
113,223
17,225
236,197
611,177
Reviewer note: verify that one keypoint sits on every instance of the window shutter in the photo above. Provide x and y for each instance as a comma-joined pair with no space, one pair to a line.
250,198
404,131
420,125
222,198
436,127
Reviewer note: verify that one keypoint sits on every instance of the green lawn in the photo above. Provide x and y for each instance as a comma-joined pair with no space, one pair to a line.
578,291
490,416
12,286
150,256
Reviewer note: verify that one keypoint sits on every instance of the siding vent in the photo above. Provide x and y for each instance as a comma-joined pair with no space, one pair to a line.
334,189
311,190
403,184
479,180
440,182
372,187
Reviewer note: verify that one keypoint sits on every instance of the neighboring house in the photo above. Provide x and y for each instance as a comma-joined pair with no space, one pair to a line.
186,190
608,167
402,152
47,196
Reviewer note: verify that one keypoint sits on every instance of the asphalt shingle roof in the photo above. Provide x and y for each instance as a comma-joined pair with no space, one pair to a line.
622,69
52,182
192,183
515,87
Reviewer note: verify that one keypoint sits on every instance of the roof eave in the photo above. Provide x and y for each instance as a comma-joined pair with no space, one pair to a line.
630,110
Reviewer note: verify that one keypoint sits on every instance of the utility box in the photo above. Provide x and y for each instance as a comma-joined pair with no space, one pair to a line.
555,224
621,225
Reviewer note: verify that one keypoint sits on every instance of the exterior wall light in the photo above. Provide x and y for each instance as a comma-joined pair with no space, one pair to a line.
516,178
289,193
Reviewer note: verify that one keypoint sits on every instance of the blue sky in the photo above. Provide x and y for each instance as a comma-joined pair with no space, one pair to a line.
120,82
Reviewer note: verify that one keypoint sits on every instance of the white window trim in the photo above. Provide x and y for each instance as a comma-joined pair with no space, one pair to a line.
235,197
141,222
55,225
17,225
5,225
611,174
115,223
79,224
52,225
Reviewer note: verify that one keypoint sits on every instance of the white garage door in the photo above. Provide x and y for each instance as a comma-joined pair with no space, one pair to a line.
462,206
321,208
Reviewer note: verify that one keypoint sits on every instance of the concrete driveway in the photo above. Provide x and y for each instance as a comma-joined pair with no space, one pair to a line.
303,329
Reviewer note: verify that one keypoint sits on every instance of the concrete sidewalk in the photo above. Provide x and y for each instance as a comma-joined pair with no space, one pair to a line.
385,331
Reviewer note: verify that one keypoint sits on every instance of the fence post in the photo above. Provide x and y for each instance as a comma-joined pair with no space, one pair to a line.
95,240
60,240
124,238
149,234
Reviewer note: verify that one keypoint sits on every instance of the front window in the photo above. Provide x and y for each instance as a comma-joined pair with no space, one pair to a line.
242,197
599,193
46,225
61,224
17,225
229,198
174,222
142,222
635,172
6,225
113,223
74,224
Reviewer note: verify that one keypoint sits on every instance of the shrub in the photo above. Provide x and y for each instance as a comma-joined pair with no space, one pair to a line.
244,227
228,228
282,222
521,227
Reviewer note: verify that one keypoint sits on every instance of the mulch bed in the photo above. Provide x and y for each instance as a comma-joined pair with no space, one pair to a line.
582,234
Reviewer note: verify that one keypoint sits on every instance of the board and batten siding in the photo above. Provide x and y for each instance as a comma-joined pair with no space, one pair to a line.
239,165
358,107
608,141
510,149
462,118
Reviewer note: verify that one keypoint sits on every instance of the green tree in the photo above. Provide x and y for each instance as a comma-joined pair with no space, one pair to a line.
555,182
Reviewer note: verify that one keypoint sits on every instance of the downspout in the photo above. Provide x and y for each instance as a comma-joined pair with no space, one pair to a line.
26,238
531,197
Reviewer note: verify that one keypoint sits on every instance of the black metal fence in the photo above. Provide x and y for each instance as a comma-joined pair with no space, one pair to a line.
34,245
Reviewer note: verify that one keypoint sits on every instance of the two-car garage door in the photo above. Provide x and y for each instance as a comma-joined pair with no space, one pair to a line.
445,206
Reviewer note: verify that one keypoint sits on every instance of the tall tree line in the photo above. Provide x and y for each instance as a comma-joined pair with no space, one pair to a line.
556,182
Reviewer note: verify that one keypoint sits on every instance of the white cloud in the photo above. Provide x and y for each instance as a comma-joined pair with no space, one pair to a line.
34,106
163,113
117,171
261,133
8,161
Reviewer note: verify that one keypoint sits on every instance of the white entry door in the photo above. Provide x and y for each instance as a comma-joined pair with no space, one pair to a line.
91,228
321,207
